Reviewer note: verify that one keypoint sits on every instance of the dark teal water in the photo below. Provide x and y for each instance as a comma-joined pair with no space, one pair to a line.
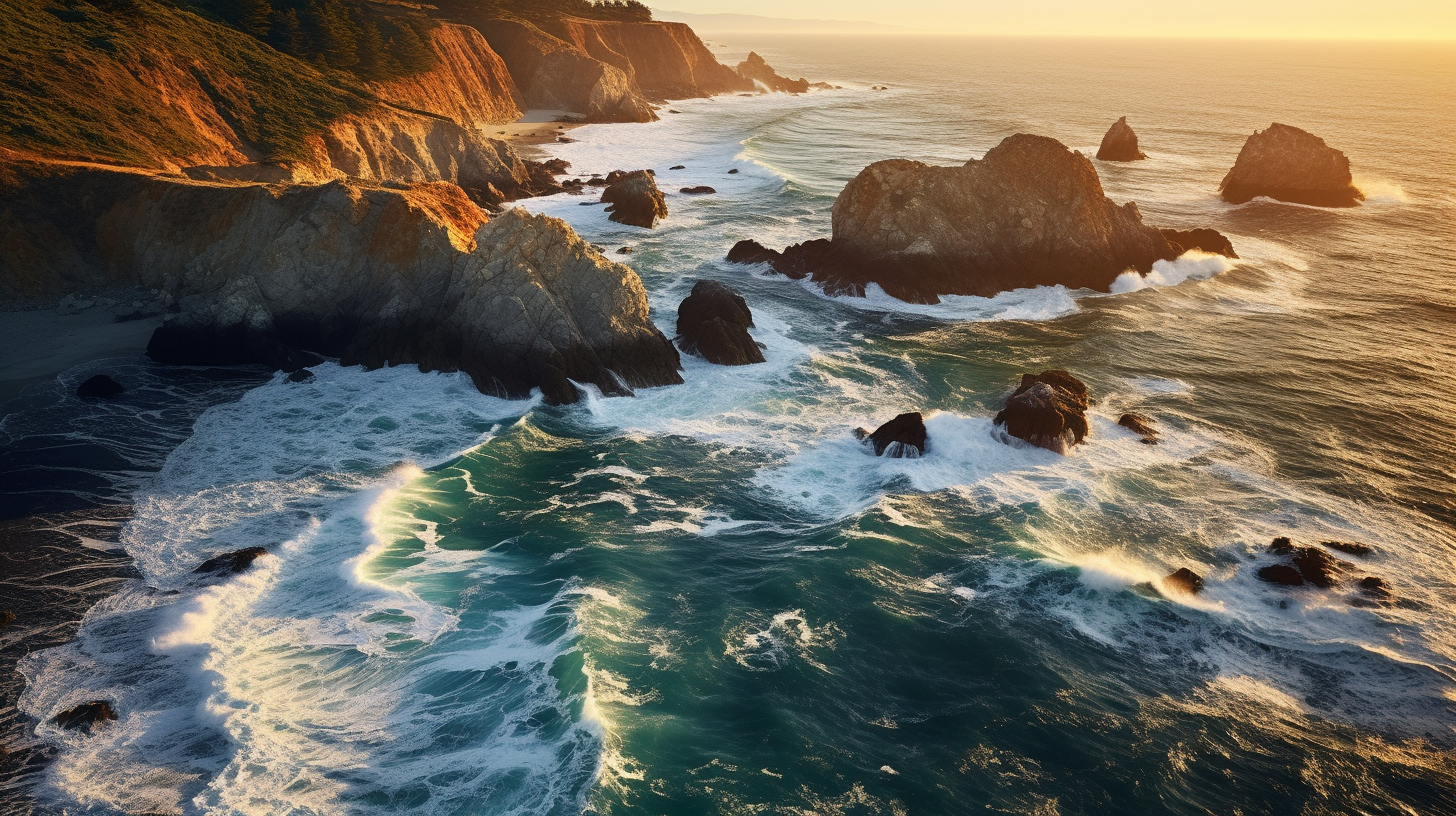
712,599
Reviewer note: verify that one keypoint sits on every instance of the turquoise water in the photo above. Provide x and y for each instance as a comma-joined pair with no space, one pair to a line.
711,599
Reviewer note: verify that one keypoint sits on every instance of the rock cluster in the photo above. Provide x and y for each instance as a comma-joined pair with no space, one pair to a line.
903,437
1031,213
634,198
85,715
1048,410
1315,567
756,70
1290,164
713,323
1120,143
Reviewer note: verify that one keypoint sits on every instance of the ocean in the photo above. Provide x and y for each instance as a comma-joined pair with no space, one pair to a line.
711,599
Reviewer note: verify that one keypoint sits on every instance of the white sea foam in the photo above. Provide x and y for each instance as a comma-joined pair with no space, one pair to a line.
1193,265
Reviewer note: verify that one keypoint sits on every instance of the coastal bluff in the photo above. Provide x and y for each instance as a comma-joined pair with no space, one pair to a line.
406,274
1030,213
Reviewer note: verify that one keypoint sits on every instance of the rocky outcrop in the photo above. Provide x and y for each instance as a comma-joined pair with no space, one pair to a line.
99,387
1310,565
1031,213
1048,410
665,60
1184,580
634,199
713,323
1203,240
85,715
755,70
372,276
903,437
555,75
469,84
1289,164
1140,425
231,563
1120,143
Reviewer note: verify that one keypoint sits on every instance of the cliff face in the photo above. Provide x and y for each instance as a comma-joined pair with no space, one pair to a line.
469,84
555,75
665,60
370,275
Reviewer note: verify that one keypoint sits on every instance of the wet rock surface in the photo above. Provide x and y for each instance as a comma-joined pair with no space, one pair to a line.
1048,410
903,437
1289,164
713,323
634,199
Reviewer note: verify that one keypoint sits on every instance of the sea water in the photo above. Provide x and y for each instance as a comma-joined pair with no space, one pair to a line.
710,598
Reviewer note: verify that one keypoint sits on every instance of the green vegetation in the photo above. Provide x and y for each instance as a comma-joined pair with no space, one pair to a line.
126,81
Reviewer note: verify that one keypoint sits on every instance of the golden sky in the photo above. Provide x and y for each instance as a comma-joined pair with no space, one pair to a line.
1358,19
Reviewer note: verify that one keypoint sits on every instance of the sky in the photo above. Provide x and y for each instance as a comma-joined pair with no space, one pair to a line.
1356,19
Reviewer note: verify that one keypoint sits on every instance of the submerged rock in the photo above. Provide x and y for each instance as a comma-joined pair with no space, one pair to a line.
1312,565
1185,580
1281,574
99,387
755,69
699,190
1048,410
86,715
1289,164
903,437
230,563
300,376
713,323
1030,213
1204,240
1141,425
634,199
1351,548
1120,143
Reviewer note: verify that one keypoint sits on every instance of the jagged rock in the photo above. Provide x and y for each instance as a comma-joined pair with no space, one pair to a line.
370,276
300,376
1281,574
1031,213
1351,548
1281,546
756,70
1120,143
1048,410
1185,580
84,716
700,190
634,199
713,323
1290,164
903,437
99,387
1203,240
752,252
230,563
557,166
1141,425
1319,567
1377,590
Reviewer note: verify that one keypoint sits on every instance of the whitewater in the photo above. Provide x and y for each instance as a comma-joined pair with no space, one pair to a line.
711,598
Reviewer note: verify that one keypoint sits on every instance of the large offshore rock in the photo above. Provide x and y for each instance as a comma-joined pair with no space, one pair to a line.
634,199
759,72
903,437
1290,164
713,322
1120,143
1031,213
372,276
1048,410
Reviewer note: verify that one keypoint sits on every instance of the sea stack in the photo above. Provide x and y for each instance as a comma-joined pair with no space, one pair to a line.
1048,410
1031,213
1120,143
713,323
634,199
1289,164
903,437
755,69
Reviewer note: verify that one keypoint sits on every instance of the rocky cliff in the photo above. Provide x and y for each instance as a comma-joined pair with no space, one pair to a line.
1290,164
1030,213
469,84
554,75
370,275
664,60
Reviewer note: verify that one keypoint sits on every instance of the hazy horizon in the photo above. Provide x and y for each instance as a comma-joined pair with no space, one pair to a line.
1428,20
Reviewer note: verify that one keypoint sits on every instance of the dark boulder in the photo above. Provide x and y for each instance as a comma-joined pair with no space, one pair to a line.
1120,143
301,376
1376,589
1281,546
1281,574
1350,548
1289,164
1319,567
1203,240
733,172
596,181
99,387
557,166
1142,426
699,190
752,252
1048,410
85,715
626,250
713,323
230,563
634,199
903,437
1185,580
678,166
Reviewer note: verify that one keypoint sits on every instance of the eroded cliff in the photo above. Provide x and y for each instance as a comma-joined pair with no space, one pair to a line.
469,83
